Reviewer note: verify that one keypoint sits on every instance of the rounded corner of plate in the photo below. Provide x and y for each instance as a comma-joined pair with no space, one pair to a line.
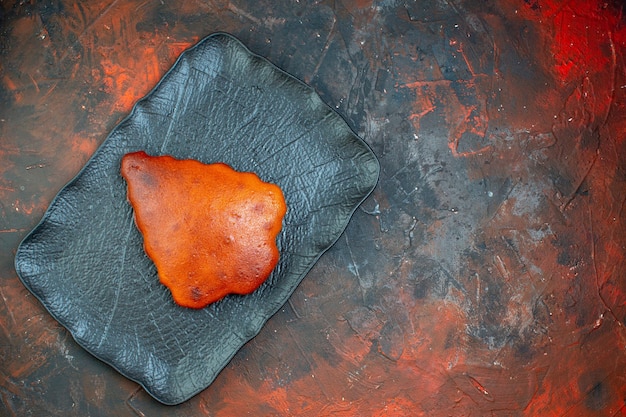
20,261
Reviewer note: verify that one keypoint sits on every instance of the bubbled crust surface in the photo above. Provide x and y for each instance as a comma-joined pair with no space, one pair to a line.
210,230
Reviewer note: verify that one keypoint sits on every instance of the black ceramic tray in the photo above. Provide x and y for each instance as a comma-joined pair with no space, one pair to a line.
220,102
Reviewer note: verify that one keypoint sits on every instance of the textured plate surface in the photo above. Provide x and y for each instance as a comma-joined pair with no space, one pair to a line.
220,102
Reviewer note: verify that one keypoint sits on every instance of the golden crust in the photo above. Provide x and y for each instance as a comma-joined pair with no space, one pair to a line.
210,230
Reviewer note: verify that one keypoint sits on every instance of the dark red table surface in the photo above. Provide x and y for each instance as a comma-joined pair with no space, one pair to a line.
486,274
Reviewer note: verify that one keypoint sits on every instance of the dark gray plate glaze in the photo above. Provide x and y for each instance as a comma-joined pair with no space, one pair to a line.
220,102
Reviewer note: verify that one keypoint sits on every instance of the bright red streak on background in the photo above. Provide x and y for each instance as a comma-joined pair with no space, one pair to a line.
584,34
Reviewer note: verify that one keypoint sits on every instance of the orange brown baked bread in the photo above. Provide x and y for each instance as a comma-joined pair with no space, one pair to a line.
210,230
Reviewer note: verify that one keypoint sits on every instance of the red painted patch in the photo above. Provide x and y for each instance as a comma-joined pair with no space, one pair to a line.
583,35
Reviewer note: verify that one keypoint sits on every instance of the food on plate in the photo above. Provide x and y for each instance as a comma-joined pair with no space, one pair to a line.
210,230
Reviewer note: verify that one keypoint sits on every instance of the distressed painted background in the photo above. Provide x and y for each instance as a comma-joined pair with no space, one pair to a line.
486,274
